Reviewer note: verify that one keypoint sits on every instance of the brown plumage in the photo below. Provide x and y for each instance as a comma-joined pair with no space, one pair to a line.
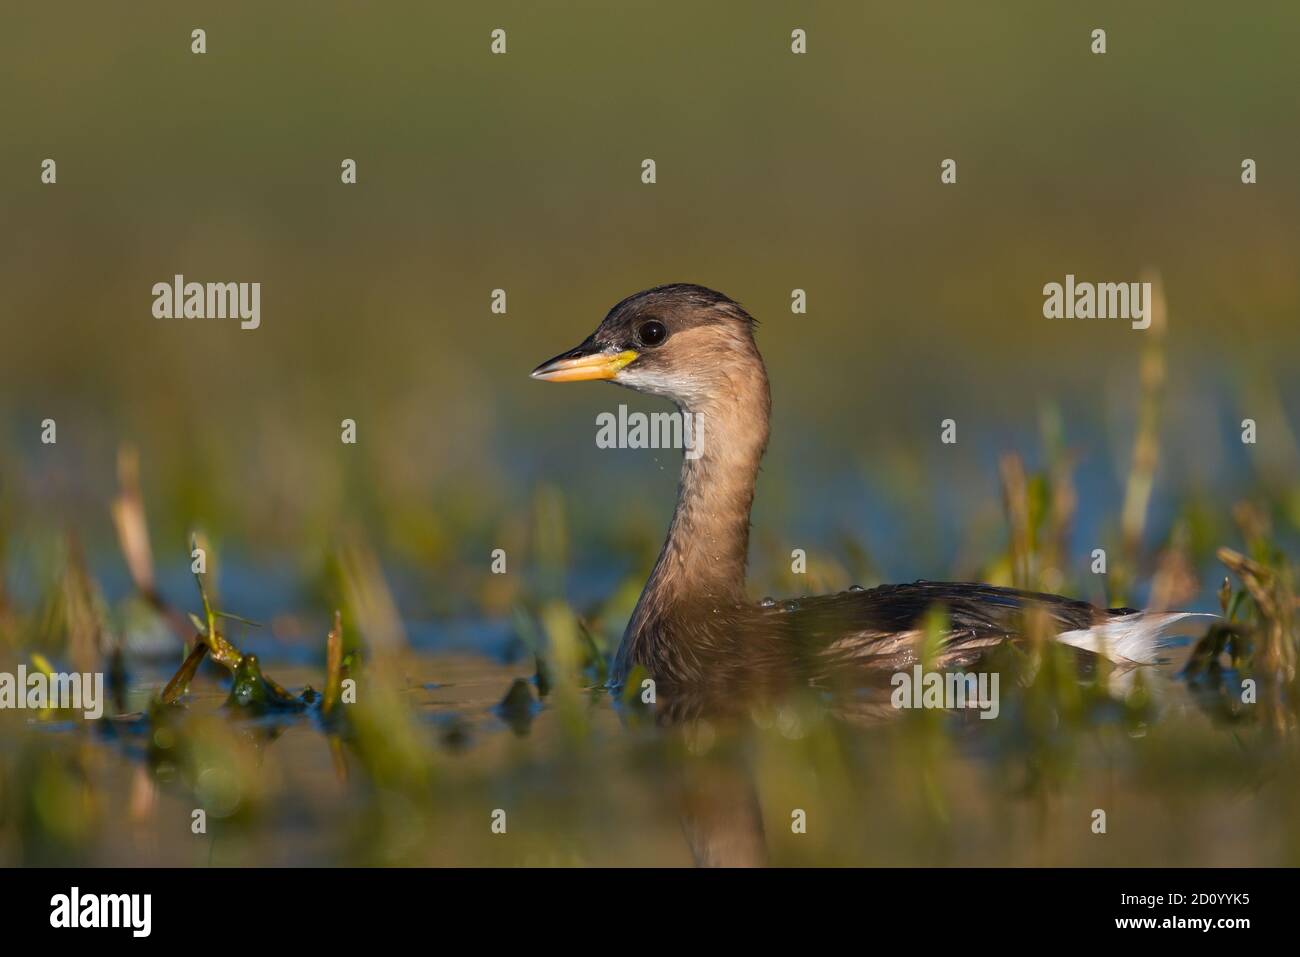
694,625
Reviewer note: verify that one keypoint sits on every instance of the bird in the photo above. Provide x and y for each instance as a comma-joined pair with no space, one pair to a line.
694,625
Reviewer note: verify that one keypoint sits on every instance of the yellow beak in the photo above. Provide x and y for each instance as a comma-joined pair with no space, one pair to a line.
578,365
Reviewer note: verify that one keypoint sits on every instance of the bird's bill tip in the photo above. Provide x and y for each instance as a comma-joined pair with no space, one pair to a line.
581,367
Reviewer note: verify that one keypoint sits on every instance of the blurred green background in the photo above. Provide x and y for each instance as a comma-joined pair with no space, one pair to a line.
521,171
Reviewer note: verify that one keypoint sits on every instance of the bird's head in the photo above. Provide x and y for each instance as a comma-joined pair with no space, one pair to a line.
683,342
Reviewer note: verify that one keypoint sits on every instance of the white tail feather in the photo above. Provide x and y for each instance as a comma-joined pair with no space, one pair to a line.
1129,639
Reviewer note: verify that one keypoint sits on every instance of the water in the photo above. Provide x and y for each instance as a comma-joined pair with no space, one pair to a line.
582,781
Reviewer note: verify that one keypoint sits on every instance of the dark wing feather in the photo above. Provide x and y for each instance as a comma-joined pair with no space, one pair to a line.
878,627
969,606
712,657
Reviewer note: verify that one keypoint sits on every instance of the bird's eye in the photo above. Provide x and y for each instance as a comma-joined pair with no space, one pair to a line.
651,332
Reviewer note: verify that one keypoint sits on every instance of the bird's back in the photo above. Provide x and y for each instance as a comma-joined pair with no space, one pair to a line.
859,635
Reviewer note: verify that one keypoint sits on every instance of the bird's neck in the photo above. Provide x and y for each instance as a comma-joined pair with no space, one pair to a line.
702,564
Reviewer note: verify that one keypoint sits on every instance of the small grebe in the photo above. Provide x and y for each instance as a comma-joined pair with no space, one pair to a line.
693,624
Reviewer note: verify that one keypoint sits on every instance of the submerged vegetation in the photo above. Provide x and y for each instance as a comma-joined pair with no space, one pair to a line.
413,755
